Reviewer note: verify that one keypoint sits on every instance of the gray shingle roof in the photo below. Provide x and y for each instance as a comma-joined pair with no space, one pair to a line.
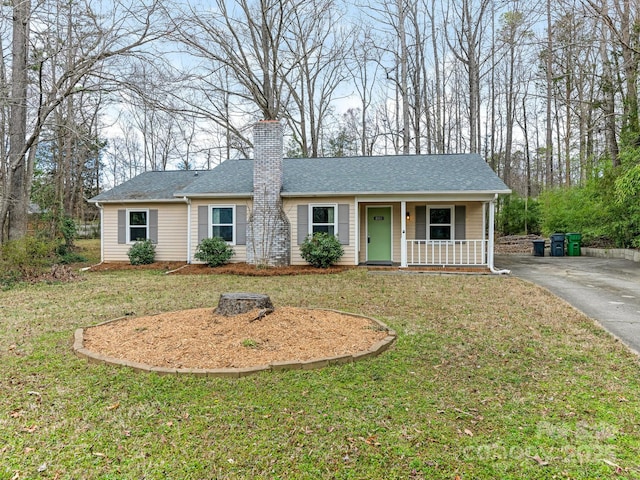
391,174
150,186
324,176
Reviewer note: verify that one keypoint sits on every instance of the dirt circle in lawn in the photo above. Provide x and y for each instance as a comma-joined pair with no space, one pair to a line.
202,339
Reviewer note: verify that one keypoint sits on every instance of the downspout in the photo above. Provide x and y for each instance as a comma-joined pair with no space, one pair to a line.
101,231
101,239
188,202
492,207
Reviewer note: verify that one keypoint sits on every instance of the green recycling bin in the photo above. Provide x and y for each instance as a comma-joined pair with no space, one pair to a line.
574,241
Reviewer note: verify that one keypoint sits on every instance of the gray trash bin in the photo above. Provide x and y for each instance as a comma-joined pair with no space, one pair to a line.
538,248
557,245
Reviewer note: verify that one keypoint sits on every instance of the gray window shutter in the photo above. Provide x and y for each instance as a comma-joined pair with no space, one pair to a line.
421,222
461,222
343,223
303,223
203,222
241,224
122,226
153,226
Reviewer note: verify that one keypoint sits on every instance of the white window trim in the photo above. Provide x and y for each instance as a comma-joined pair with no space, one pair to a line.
335,217
452,225
129,210
233,222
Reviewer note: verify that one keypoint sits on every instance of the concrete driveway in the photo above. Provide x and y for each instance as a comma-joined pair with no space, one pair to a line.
607,290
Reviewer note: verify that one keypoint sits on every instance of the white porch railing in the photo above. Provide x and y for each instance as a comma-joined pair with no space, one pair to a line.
447,252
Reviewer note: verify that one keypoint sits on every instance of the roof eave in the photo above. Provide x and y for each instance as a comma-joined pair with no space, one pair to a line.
214,195
463,193
137,200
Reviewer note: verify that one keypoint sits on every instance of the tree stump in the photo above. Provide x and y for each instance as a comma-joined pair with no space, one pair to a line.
235,303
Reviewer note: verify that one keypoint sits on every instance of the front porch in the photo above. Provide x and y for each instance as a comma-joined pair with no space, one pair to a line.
435,232
446,252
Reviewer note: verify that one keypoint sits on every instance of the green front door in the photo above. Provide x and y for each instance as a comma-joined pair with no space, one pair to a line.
379,234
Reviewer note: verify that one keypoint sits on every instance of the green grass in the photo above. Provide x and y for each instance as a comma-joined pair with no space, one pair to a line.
90,249
489,378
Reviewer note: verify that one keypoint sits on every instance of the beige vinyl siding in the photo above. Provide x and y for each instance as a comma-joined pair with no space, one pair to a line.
290,206
396,234
172,232
474,221
239,251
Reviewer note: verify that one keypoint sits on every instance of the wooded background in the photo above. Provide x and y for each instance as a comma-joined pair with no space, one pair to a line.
95,92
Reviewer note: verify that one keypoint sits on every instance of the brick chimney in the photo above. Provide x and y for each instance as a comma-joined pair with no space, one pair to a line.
268,229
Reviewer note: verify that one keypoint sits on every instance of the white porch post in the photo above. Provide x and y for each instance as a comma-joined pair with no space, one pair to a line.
492,208
485,253
403,236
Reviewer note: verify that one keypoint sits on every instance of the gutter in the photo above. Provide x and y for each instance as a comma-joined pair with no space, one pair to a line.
122,201
101,208
188,202
399,194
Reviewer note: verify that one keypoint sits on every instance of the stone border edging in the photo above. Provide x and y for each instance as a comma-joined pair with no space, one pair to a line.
624,253
375,350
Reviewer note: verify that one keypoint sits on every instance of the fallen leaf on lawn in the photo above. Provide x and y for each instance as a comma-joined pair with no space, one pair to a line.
468,432
113,406
42,467
539,461
372,440
99,454
30,429
618,468
16,413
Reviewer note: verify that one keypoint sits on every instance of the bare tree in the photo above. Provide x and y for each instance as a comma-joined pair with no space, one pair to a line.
468,19
318,48
118,33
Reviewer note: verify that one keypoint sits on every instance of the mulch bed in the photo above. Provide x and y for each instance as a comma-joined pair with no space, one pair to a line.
200,338
180,268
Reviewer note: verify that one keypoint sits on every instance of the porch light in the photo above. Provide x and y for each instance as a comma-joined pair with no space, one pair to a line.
408,215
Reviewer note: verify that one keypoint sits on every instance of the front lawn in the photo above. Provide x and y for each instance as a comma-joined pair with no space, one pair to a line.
490,377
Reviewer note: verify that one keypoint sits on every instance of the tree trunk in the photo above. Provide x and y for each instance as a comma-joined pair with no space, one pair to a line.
18,199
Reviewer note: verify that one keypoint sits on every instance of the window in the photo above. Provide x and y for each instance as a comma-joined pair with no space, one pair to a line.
323,219
440,224
222,222
138,227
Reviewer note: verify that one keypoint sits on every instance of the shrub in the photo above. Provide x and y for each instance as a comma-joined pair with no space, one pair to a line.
214,251
27,257
519,215
581,209
321,250
142,253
